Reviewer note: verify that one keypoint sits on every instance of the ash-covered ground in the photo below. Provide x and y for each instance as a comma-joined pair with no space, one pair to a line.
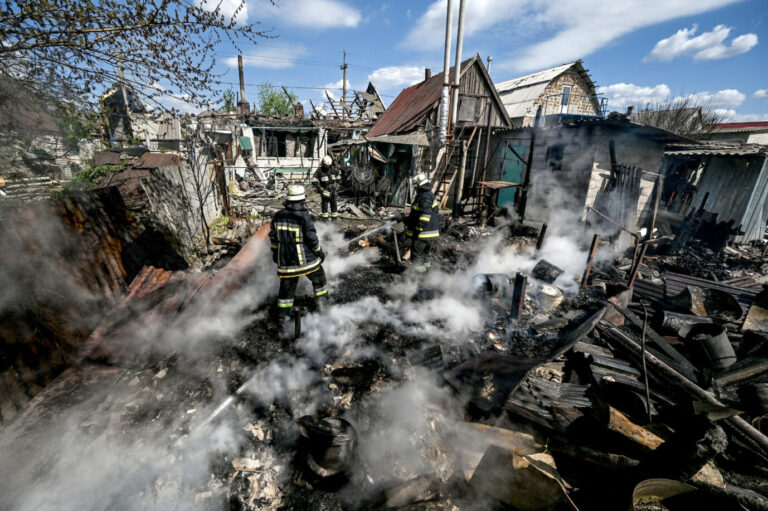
162,431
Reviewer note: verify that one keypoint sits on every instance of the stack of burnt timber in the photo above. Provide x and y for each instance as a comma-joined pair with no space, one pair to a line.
661,400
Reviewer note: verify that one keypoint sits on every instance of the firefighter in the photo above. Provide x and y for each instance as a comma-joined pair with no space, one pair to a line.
423,223
327,180
296,250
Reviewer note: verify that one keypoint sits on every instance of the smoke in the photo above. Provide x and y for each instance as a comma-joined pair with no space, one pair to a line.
129,444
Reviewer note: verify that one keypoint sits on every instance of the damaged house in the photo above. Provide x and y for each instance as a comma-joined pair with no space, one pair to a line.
407,133
581,162
562,92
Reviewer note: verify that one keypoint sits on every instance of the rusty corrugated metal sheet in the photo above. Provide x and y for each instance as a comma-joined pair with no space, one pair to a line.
676,283
411,105
741,126
155,160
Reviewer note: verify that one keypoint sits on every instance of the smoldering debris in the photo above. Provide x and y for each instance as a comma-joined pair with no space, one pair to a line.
443,391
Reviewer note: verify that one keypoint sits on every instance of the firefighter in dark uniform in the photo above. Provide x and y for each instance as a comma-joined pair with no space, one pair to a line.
296,250
327,180
423,224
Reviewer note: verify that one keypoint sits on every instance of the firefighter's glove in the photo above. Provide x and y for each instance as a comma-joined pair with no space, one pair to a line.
321,255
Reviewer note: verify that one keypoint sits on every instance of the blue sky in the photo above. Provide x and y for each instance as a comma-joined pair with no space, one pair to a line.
636,50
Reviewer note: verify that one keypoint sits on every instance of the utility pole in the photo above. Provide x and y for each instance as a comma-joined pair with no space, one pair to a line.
344,87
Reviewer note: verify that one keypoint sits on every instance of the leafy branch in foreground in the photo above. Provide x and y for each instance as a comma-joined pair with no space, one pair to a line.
69,50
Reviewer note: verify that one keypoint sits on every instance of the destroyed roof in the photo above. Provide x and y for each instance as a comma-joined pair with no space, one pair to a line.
155,160
413,104
620,121
716,150
735,127
519,95
106,158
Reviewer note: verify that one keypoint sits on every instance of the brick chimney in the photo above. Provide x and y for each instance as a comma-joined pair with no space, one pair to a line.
427,74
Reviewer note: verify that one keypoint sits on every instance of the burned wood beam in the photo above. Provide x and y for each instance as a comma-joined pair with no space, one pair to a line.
636,266
518,296
607,460
673,376
540,239
590,259
611,221
741,374
684,365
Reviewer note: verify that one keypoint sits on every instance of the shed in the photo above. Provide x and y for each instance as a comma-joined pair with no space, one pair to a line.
734,180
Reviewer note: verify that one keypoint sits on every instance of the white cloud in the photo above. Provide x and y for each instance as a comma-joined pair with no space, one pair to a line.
730,115
227,8
394,76
622,95
760,94
317,14
334,89
578,30
729,98
271,57
706,46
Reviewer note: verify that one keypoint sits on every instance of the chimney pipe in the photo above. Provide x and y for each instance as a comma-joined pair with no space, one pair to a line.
242,79
446,92
243,107
457,67
427,74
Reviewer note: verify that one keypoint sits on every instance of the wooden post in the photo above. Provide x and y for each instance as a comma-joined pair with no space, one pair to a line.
540,240
657,197
636,267
527,179
518,296
590,259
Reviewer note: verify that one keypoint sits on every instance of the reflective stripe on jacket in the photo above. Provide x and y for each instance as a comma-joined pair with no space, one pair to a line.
425,216
327,180
294,240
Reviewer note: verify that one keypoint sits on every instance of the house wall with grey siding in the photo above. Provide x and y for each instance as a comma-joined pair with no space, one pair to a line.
738,189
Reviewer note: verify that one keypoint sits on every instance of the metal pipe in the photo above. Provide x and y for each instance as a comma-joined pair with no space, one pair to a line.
446,92
457,67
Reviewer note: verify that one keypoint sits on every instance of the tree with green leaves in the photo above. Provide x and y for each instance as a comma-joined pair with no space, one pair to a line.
72,50
275,102
228,101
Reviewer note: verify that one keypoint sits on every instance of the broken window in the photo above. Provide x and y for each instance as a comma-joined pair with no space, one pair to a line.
275,144
555,156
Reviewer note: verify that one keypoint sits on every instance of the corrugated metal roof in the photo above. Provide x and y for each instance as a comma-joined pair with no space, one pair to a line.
415,138
720,150
155,160
741,126
411,106
538,77
520,102
106,158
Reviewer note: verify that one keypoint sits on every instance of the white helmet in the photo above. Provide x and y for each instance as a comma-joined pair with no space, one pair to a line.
420,179
327,160
296,193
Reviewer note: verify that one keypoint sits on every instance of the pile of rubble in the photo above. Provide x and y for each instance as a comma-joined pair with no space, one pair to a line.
534,390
